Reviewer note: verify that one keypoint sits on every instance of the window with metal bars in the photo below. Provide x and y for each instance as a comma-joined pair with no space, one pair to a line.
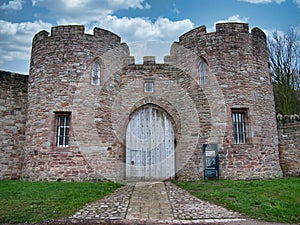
95,76
148,87
239,126
63,130
203,72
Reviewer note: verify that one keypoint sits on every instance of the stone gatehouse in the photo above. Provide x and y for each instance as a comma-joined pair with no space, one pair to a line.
87,111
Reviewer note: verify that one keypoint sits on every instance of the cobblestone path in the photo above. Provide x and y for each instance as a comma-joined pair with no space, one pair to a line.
112,207
156,201
188,207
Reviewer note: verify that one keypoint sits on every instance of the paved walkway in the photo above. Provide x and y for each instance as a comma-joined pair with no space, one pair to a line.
150,201
154,202
145,203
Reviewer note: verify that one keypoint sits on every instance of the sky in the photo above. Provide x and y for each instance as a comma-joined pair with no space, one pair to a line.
149,27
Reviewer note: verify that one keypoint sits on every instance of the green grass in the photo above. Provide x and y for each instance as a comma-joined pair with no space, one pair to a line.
34,202
275,200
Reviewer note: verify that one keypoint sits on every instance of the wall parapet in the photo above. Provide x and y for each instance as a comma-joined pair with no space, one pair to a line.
230,37
294,117
289,143
67,30
221,29
40,36
258,33
198,31
232,28
13,107
76,30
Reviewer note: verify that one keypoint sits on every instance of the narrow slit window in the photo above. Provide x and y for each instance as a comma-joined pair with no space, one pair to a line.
203,72
239,127
95,76
148,87
63,130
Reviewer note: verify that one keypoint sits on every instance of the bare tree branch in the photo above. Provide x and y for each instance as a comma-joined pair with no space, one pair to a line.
284,61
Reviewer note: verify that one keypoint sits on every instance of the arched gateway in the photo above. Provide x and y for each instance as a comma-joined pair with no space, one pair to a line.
150,145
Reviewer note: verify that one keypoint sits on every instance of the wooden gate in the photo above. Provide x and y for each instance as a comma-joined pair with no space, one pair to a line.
150,146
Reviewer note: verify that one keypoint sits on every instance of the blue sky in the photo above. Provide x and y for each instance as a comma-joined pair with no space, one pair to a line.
148,26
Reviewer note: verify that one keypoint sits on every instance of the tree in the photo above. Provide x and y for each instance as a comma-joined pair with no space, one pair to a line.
284,62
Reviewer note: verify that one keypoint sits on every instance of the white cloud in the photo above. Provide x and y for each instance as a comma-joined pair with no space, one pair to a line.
297,2
137,29
99,13
147,6
234,18
176,11
262,1
111,4
15,39
145,37
86,11
12,5
159,49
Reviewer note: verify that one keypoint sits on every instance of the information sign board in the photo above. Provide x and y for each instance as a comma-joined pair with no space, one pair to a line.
211,161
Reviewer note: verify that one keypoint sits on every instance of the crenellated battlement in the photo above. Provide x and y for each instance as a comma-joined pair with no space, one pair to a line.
258,34
196,32
40,36
69,31
222,30
232,28
70,45
100,33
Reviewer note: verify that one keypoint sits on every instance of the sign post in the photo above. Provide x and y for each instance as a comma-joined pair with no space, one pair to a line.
211,161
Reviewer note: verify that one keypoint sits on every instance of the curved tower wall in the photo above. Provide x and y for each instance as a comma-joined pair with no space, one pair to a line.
60,82
239,80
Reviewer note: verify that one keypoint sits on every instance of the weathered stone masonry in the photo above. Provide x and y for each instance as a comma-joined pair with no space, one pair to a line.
60,82
13,106
289,144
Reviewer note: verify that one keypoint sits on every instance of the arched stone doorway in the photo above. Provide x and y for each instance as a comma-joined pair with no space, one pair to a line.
150,145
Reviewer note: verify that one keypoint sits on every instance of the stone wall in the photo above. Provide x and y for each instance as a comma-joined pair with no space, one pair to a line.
13,104
289,144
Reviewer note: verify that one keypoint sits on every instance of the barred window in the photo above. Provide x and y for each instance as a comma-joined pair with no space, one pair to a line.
239,126
148,87
203,72
63,129
95,76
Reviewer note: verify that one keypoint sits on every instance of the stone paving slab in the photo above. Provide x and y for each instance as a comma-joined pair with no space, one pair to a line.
149,201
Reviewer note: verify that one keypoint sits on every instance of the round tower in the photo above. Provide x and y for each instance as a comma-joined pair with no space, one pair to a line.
240,94
64,67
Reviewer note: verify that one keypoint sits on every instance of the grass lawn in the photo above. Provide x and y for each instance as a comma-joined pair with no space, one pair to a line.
275,200
34,202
